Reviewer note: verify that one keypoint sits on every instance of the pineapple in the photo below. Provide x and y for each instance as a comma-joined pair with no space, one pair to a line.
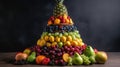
60,9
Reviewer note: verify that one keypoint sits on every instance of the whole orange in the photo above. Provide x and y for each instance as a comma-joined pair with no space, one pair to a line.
40,58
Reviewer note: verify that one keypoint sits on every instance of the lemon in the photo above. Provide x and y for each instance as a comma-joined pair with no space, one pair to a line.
57,39
69,38
46,38
74,43
63,39
71,22
48,44
68,43
54,43
41,42
51,38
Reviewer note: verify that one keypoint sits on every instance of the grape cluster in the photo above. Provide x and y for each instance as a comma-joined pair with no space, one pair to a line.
58,28
86,60
55,53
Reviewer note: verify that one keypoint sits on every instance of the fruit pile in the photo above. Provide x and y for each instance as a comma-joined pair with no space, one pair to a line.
60,44
66,55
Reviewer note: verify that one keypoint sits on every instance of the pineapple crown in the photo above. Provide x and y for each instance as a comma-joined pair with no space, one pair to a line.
59,1
59,9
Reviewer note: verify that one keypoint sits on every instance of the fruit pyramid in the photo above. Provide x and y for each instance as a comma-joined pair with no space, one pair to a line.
60,44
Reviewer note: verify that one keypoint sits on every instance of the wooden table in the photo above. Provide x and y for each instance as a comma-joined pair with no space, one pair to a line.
113,61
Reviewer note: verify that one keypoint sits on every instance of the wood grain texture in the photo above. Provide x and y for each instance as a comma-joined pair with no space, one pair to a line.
113,61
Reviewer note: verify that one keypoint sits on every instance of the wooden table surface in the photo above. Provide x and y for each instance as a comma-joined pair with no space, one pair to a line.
113,61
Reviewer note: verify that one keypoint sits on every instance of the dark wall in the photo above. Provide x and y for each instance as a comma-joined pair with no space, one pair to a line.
22,22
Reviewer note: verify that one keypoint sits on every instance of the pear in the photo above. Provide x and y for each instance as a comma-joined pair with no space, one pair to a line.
89,51
70,61
77,59
31,57
92,59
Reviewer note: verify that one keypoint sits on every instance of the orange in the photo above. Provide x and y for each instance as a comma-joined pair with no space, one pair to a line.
49,22
40,58
66,57
57,21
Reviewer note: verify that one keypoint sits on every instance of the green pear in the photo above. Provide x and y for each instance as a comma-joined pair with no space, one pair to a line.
77,59
92,59
31,57
70,61
89,51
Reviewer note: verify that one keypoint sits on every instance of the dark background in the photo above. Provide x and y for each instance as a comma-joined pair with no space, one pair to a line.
22,22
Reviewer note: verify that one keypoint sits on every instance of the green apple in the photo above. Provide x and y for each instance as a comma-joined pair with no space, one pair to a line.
60,35
57,33
70,33
65,34
76,31
49,34
73,37
77,35
60,44
44,33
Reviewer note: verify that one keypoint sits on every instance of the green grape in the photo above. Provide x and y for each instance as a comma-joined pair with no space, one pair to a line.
86,60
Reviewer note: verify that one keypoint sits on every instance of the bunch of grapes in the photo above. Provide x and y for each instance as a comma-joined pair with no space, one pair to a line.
55,53
86,60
